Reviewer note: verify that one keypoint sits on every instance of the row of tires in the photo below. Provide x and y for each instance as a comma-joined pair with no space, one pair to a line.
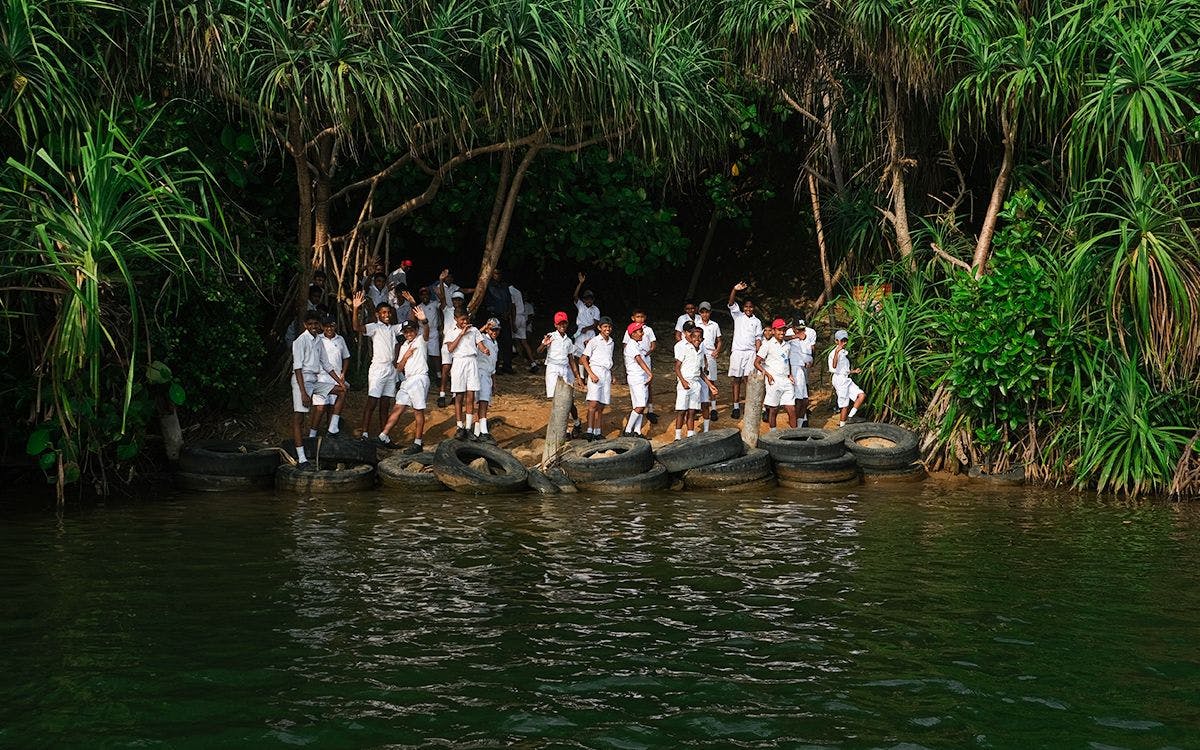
713,461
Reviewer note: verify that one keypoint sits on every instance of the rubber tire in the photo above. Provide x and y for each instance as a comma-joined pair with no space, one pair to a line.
1014,477
757,485
337,449
228,458
393,474
654,480
357,477
914,472
701,449
749,467
193,482
634,457
452,470
562,481
841,469
898,456
855,482
541,484
800,445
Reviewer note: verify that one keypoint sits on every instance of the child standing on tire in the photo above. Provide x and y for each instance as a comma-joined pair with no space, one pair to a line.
308,362
649,345
772,362
487,379
801,340
337,356
638,375
710,331
381,377
597,361
464,349
560,352
691,379
846,389
414,388
747,335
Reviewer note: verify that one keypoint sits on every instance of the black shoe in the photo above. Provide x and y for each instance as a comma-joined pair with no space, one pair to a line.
413,449
305,466
461,434
712,415
764,415
533,367
652,418
441,402
736,413
486,437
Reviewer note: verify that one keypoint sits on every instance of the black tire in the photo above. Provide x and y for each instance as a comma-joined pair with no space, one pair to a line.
855,482
841,469
193,482
754,465
1014,477
802,445
393,472
348,478
633,457
756,485
914,472
653,480
228,458
541,484
902,451
450,466
324,449
562,481
701,449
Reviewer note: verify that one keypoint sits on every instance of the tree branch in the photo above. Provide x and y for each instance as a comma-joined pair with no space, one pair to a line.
958,262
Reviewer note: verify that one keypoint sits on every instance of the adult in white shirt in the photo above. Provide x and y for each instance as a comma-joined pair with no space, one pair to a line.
587,315
520,322
381,376
747,335
772,361
337,355
801,340
712,341
638,375
560,353
846,389
308,362
689,316
597,361
465,346
691,380
411,360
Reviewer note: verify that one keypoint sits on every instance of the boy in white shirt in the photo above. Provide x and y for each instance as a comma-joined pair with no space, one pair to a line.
772,361
487,379
381,377
597,361
451,298
747,335
308,362
560,353
464,348
520,325
712,341
689,316
587,315
638,374
649,345
432,310
414,388
377,290
846,389
337,356
802,340
691,379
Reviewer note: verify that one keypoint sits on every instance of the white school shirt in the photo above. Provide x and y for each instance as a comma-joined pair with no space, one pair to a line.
691,360
600,352
774,355
448,308
377,296
518,301
802,351
647,339
336,352
634,371
433,314
560,349
712,332
487,362
747,330
449,327
585,316
416,364
308,355
685,318
843,366
383,342
466,347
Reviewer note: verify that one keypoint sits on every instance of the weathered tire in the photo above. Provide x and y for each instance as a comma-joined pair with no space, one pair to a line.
902,451
753,465
802,445
653,480
757,485
392,473
540,483
914,472
321,450
841,469
193,482
701,449
351,478
1014,477
562,481
856,481
633,457
450,466
228,458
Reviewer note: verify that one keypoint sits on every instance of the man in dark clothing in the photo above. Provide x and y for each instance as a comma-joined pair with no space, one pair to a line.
497,303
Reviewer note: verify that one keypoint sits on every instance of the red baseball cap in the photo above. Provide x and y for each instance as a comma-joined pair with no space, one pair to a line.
560,317
779,323
634,327
406,263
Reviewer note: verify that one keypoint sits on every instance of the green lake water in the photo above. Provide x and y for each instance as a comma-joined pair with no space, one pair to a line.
916,616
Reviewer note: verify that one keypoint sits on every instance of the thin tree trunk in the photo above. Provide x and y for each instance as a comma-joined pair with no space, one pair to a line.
826,276
837,276
323,174
983,247
498,203
703,256
896,167
491,254
304,220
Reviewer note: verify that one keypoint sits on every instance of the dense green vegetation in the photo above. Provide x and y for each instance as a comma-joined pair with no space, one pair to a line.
1022,173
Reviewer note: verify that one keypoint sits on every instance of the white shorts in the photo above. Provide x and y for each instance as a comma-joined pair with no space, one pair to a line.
847,391
779,393
445,355
315,388
519,328
381,381
554,373
464,375
741,363
600,392
688,398
800,375
324,399
712,367
486,384
433,349
412,392
639,393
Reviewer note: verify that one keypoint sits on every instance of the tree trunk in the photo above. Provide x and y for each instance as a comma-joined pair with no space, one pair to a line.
983,247
304,225
756,387
826,276
708,238
323,177
896,168
491,253
556,428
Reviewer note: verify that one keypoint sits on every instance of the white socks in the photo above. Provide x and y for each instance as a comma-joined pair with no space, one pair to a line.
383,438
459,424
441,394
418,441
631,423
300,457
470,421
481,427
853,411
678,434
691,433
334,421
706,423
841,424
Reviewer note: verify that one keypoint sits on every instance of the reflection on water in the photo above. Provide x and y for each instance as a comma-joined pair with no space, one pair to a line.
926,616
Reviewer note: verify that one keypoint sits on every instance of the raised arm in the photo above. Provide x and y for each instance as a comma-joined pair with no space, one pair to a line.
355,318
579,286
738,287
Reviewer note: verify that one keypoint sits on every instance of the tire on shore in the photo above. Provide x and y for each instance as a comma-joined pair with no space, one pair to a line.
701,449
855,482
394,471
450,465
880,446
800,445
913,472
194,482
757,485
653,480
633,456
351,477
540,483
325,449
228,458
844,468
754,465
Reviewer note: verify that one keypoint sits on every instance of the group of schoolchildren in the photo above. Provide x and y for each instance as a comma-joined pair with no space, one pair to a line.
404,352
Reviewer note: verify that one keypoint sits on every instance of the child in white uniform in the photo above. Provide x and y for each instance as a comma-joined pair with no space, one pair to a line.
560,359
414,388
432,309
846,389
747,335
587,315
691,379
712,341
597,361
337,355
772,362
452,302
801,340
308,362
649,345
465,348
638,375
381,377
689,316
487,380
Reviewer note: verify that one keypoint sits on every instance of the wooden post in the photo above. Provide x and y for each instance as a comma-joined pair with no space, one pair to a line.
752,416
556,427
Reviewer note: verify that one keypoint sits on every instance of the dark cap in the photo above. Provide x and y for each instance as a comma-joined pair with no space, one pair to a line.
408,325
604,321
